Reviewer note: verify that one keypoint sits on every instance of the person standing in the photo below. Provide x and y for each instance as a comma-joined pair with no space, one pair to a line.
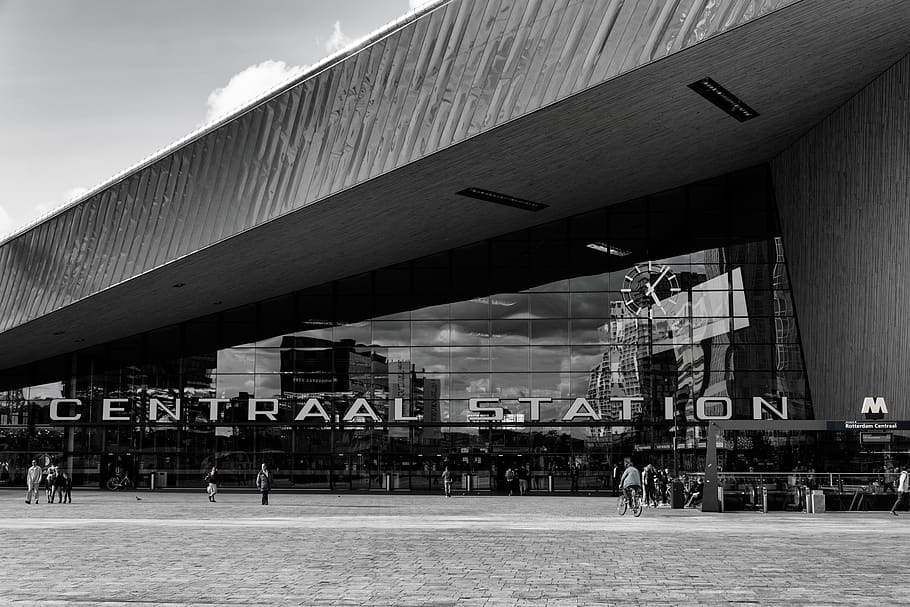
903,489
447,481
574,473
212,478
32,481
264,482
510,480
649,477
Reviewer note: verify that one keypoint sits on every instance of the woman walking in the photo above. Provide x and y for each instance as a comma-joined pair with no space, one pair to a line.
212,478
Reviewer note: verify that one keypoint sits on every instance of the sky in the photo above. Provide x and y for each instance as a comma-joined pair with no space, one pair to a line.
89,88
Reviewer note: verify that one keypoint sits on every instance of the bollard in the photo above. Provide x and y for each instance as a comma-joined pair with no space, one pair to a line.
388,483
764,500
550,483
468,484
152,481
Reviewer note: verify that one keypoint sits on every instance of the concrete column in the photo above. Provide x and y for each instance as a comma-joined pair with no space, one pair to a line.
709,498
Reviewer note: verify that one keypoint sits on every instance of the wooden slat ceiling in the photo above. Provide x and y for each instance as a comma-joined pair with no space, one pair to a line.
640,133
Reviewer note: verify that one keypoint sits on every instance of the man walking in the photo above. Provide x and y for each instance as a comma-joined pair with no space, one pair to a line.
32,480
447,481
212,480
264,482
903,489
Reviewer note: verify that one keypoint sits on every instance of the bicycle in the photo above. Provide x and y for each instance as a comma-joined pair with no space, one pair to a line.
623,503
118,482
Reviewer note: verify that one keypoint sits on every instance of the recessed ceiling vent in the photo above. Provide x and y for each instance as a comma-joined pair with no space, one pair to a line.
509,201
723,99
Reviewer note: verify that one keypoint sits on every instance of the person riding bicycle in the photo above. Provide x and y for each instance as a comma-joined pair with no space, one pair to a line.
630,481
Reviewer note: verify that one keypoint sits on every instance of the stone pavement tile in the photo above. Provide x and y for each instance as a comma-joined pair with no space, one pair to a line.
175,549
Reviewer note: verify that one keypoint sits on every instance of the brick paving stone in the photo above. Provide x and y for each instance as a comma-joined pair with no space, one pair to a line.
377,550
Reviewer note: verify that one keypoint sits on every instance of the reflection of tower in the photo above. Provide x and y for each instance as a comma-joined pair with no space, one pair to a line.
618,372
16,411
431,411
198,373
400,386
420,397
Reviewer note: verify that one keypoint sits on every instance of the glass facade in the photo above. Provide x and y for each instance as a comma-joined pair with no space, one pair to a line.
562,348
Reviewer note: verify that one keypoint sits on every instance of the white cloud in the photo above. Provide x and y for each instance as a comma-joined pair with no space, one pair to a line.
338,40
249,84
74,193
6,225
43,208
38,211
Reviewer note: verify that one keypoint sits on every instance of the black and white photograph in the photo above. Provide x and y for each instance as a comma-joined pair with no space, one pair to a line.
475,303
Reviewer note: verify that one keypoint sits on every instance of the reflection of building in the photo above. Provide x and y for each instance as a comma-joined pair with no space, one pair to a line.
619,372
342,230
312,366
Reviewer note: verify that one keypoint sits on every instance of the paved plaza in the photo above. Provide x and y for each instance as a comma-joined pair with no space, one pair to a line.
177,548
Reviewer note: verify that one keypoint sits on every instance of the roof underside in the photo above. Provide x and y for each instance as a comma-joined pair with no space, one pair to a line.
356,167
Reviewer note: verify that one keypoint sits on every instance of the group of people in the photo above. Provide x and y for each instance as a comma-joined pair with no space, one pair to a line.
57,484
517,480
653,485
264,482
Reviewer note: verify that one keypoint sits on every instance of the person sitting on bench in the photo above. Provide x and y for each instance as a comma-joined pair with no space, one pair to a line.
695,494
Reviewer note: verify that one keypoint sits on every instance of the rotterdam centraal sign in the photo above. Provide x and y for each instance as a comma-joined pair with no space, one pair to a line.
480,410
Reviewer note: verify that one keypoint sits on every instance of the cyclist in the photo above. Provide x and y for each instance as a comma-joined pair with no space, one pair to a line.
630,481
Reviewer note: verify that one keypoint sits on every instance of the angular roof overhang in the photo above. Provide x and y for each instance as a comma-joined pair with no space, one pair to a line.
635,134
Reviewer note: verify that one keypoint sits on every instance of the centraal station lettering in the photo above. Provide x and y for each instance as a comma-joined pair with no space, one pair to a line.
480,410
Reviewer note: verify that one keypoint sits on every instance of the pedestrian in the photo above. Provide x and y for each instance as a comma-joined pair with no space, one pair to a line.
264,482
649,477
50,483
212,479
510,480
65,485
447,482
32,481
664,486
522,480
574,473
903,490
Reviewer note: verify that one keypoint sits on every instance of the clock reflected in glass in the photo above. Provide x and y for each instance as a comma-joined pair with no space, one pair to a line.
649,286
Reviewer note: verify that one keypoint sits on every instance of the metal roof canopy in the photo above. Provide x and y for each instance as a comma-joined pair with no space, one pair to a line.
640,133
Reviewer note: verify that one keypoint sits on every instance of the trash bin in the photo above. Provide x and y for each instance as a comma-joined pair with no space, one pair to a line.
817,501
677,495
160,479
